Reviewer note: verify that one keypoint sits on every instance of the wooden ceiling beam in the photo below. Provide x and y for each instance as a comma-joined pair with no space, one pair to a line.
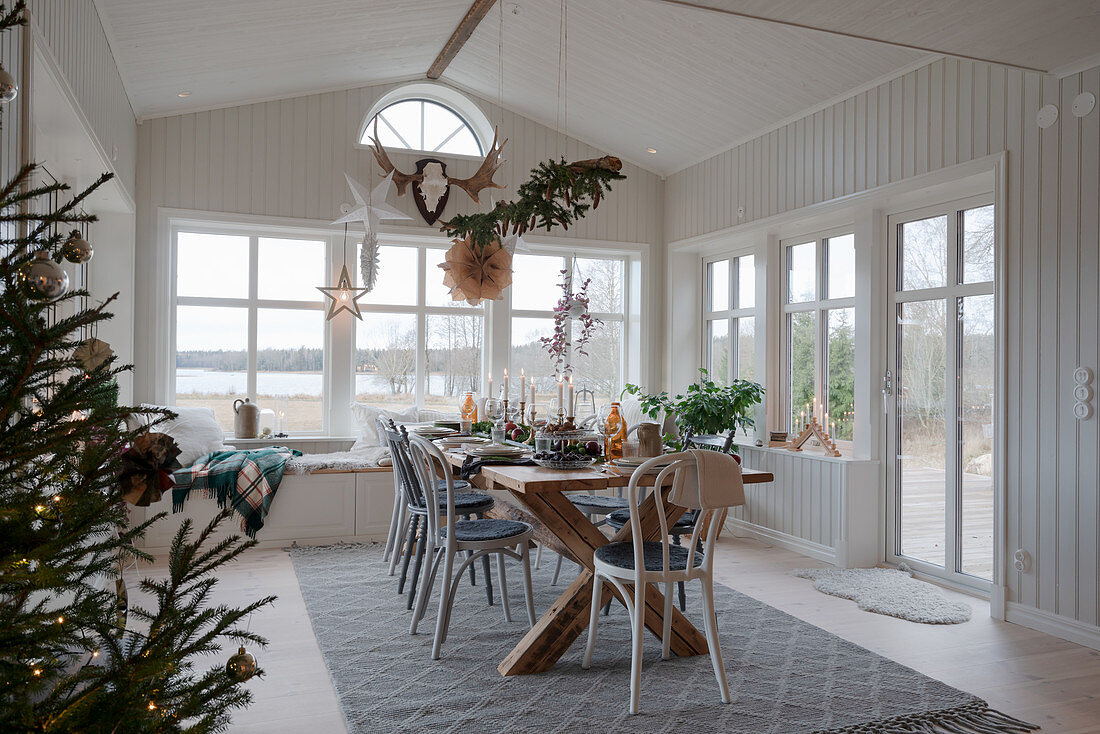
843,34
465,29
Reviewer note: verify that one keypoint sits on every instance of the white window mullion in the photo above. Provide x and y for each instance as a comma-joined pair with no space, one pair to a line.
421,381
253,315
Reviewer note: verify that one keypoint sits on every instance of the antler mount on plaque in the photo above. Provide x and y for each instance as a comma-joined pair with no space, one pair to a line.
431,184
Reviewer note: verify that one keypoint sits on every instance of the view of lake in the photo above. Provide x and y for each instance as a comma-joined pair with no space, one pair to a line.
216,382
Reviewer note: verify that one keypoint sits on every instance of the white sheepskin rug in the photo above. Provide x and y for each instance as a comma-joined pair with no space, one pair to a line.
894,593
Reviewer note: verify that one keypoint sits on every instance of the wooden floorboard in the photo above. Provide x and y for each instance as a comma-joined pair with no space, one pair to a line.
1022,672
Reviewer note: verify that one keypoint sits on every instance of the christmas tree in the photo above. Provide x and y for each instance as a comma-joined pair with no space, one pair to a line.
75,655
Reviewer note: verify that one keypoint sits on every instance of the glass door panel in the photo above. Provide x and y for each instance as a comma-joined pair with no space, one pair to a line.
940,392
977,351
921,423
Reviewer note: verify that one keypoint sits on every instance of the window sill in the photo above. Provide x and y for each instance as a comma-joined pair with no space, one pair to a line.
285,440
809,453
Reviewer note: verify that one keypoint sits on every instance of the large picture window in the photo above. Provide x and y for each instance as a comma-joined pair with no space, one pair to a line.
247,325
730,317
416,345
248,321
535,292
819,330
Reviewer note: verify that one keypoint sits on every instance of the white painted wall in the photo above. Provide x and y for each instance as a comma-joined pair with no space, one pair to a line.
287,158
71,32
940,115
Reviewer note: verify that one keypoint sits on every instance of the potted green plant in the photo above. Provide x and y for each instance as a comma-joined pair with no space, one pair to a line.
706,407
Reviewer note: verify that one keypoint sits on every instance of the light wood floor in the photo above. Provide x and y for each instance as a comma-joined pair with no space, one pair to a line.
1027,674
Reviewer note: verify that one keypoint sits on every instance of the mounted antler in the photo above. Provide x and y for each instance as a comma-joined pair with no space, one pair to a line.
483,178
401,179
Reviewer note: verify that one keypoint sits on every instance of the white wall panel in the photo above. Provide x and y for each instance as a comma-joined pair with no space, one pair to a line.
73,34
815,505
946,113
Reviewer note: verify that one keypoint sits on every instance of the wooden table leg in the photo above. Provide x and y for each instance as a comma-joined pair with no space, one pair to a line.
568,616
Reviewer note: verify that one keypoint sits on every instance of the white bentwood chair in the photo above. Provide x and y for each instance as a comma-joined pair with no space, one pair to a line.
447,540
641,563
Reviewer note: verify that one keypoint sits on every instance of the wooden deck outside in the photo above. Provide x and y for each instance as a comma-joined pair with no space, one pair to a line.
923,518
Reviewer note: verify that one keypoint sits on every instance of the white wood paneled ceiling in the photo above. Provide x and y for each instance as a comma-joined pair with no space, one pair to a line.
685,81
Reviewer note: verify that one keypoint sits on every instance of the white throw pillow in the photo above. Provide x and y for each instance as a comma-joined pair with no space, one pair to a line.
195,430
366,417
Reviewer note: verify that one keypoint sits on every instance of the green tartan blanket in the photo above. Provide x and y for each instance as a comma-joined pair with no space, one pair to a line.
245,480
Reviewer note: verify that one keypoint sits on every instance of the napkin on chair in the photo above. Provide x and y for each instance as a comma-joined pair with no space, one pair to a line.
717,483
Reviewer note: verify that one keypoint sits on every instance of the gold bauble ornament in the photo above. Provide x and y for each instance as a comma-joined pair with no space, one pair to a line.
473,273
241,666
92,353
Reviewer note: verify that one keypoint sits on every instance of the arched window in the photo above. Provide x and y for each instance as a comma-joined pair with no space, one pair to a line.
428,118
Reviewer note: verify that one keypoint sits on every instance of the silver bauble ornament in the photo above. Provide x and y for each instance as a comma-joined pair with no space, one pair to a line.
76,249
241,666
8,88
43,279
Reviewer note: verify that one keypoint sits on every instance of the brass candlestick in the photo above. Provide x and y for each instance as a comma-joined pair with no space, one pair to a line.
522,410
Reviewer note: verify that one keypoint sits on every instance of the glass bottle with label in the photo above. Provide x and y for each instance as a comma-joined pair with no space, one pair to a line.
615,430
468,411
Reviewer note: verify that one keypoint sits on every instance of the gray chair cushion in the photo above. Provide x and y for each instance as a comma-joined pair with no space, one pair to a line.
595,504
480,530
621,555
459,484
683,525
469,502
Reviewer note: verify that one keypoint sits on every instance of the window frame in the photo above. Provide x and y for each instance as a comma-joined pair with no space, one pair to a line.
820,306
733,314
252,303
420,311
567,265
466,109
338,386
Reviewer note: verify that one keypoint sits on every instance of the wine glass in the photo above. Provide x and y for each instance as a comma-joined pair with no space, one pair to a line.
494,411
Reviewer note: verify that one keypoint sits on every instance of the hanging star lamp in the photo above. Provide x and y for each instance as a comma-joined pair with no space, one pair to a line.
343,295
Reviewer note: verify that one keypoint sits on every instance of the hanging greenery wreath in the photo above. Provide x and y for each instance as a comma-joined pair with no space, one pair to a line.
478,265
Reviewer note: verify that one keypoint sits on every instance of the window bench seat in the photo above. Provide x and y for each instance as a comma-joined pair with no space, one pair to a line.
321,507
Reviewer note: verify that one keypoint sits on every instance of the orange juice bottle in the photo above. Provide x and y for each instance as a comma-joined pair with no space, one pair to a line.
468,411
616,434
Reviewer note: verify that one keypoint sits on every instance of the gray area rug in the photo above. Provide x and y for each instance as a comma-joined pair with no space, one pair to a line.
893,592
786,676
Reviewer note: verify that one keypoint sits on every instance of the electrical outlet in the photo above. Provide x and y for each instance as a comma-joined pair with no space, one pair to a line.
1021,561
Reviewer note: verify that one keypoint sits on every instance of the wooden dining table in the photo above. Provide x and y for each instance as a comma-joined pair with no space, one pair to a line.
539,496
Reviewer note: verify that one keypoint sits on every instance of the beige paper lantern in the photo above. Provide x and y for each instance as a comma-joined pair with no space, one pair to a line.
474,274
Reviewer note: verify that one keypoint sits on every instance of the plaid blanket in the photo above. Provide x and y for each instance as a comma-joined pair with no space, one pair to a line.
246,480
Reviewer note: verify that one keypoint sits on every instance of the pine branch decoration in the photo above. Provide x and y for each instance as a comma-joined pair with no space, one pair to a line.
556,194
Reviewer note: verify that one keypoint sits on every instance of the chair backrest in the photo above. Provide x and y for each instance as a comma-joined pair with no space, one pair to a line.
429,464
397,438
679,468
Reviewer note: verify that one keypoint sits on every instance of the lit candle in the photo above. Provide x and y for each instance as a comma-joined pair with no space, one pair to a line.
522,383
532,392
826,421
801,420
570,409
490,391
561,393
506,384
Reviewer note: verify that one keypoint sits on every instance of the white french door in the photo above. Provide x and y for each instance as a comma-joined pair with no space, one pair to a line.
939,390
